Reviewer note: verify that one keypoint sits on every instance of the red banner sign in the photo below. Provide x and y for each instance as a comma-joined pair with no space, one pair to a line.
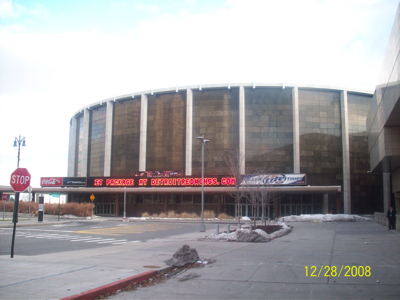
51,181
187,181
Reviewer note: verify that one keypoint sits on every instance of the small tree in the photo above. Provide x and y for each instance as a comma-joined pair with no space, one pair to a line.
234,162
258,193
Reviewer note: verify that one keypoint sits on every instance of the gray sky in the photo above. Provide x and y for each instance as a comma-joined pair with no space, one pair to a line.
58,56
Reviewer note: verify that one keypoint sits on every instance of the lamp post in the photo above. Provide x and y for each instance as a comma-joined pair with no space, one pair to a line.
203,141
18,142
124,219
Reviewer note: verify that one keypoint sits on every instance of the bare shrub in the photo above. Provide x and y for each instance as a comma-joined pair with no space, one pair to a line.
51,209
9,207
209,214
145,215
173,214
162,215
186,215
23,207
154,215
77,209
224,216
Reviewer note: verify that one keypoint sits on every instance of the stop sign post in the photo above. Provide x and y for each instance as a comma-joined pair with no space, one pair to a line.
19,181
4,198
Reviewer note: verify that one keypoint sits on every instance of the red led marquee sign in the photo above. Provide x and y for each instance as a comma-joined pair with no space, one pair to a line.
160,182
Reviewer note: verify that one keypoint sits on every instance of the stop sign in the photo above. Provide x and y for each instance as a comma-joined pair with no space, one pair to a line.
20,179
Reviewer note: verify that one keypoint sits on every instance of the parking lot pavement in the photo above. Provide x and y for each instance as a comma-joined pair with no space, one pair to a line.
352,260
309,263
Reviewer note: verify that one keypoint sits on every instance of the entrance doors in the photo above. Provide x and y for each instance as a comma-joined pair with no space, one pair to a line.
300,204
246,210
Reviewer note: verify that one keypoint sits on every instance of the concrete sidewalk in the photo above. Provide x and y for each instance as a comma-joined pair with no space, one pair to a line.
274,270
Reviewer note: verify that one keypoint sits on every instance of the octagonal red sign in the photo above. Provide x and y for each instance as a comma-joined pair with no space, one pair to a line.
20,180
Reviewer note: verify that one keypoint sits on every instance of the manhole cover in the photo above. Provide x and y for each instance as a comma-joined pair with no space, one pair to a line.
151,267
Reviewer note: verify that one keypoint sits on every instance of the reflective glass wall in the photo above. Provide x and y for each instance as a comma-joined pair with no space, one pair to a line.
269,130
166,132
320,137
97,135
216,116
79,148
366,188
125,138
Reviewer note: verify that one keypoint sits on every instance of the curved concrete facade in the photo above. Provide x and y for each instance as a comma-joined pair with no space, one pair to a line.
320,131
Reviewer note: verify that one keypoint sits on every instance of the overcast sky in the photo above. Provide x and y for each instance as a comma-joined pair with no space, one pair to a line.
58,56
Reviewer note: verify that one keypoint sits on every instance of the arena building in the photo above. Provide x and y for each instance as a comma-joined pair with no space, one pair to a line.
145,145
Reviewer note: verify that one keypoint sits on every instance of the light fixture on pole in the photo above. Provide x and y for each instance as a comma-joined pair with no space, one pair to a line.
18,142
203,141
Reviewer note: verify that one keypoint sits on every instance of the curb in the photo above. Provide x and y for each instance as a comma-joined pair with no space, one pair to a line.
112,287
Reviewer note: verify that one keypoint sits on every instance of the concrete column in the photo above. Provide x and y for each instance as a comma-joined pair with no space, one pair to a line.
386,183
189,132
325,207
143,133
72,147
242,127
85,146
386,191
108,138
296,130
346,153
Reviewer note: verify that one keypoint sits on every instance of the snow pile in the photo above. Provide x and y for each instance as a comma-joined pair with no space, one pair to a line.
183,256
247,236
326,218
252,236
229,237
284,231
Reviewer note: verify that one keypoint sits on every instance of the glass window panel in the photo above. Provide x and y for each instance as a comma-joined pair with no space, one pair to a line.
126,137
269,130
166,132
216,116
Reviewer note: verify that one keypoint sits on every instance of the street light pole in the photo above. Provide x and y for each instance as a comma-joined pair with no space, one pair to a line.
124,219
17,143
203,141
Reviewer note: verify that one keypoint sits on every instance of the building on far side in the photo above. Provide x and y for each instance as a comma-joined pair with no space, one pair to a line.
283,129
383,122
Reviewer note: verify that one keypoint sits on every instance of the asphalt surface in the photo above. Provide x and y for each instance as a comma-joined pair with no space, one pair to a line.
354,260
84,234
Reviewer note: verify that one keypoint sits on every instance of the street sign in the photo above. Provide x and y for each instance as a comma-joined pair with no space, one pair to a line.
55,195
20,179
4,197
92,197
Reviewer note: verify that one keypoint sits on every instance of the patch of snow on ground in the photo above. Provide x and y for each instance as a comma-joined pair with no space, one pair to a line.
326,218
284,231
232,237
